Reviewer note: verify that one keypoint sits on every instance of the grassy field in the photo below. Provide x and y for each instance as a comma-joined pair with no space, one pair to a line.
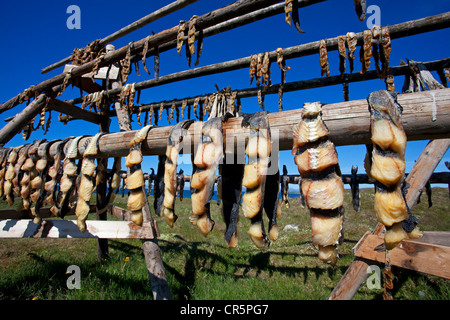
204,268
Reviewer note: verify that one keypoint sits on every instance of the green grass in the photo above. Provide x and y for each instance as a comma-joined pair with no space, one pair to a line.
204,268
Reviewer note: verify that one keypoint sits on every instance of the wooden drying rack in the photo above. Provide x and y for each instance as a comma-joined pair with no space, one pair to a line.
348,123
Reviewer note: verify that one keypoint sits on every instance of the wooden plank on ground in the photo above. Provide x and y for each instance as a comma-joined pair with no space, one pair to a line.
410,254
25,228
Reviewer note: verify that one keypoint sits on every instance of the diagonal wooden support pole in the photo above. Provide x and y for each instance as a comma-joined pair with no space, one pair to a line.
356,273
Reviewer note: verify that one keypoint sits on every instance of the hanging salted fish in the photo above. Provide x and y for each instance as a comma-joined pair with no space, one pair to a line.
385,162
258,151
261,99
18,172
272,205
144,54
113,186
351,44
199,46
9,175
180,35
53,171
295,17
265,70
324,67
43,166
253,64
86,187
180,184
183,106
156,62
188,55
361,8
33,182
209,154
191,33
196,102
322,186
161,108
366,51
174,146
135,177
385,49
259,67
342,53
126,64
68,179
283,68
285,187
376,35
288,6
150,114
158,190
3,158
354,186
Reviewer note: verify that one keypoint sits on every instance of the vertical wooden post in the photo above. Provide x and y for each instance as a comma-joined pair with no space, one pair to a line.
430,157
102,244
152,252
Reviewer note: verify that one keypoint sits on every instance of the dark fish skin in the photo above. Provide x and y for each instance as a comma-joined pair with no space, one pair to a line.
232,185
354,188
361,8
159,186
285,187
295,17
271,198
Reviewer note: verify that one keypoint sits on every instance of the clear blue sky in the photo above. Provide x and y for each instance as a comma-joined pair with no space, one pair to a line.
34,35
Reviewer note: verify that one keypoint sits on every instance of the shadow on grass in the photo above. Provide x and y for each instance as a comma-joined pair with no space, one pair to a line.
46,278
239,265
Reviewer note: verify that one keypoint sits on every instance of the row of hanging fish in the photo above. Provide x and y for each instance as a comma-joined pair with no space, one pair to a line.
376,44
192,36
261,188
59,182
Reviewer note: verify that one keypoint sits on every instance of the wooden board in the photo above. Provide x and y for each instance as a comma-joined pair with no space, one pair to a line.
101,73
25,228
417,254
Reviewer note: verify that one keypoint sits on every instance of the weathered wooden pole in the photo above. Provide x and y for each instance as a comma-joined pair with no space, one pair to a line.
348,122
25,116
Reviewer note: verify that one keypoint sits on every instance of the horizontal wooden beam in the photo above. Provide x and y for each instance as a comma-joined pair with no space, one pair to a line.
74,111
25,228
348,122
420,255
294,85
43,212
